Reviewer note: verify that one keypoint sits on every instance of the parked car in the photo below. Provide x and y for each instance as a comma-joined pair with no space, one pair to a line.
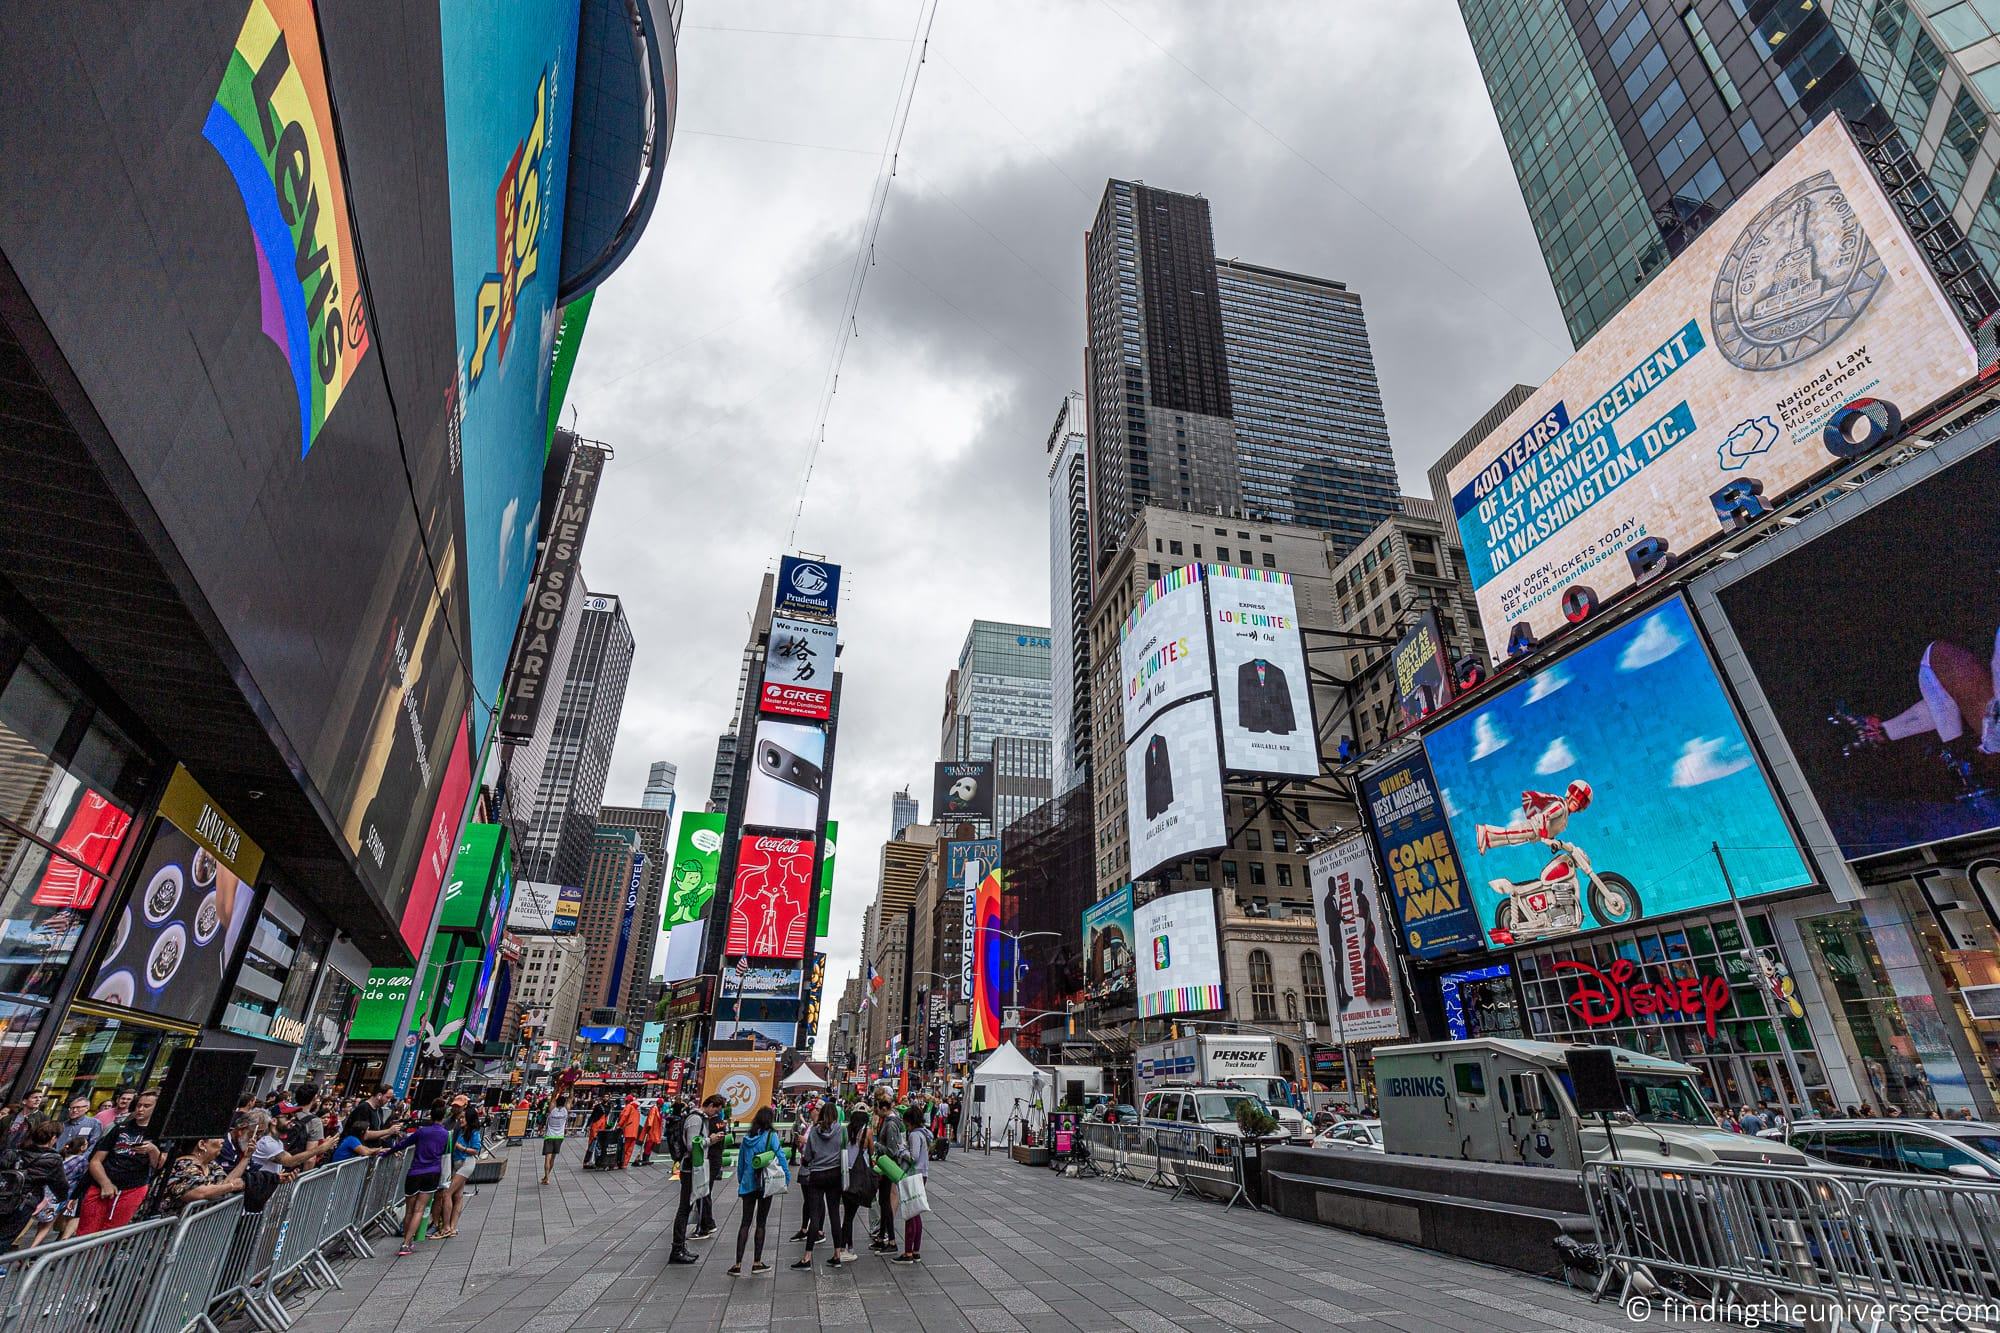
1969,1149
1357,1135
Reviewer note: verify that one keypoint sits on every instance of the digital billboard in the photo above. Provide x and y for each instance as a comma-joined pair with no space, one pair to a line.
966,863
627,919
1421,673
1163,648
811,586
1879,652
1179,958
962,790
1173,787
1108,976
649,1047
471,883
770,905
559,577
192,897
992,955
798,669
1261,691
440,844
1356,941
1424,873
787,776
569,906
823,911
1591,790
1709,393
508,77
697,863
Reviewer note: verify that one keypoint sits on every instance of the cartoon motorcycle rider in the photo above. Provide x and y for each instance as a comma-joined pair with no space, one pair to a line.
1547,816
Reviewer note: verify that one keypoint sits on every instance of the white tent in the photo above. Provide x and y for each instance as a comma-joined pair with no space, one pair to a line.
1005,1087
802,1078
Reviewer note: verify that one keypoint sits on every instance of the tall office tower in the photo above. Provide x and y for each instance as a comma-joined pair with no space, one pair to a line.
649,831
570,787
1069,593
1156,383
1633,123
999,688
608,885
1312,443
1223,387
659,794
902,812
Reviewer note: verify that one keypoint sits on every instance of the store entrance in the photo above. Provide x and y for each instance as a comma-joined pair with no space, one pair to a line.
1734,1080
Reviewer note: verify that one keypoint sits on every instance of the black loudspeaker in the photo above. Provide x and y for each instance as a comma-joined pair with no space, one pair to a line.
495,1096
1593,1077
428,1093
200,1093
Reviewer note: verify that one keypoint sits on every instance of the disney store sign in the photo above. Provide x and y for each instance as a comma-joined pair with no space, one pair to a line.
1626,993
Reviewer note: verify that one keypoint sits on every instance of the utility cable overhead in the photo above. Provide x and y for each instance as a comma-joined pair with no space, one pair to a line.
864,253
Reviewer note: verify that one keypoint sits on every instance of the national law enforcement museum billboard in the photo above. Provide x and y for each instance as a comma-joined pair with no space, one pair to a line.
1709,394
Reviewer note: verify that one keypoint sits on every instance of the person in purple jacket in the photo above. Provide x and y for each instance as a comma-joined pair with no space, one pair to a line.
431,1141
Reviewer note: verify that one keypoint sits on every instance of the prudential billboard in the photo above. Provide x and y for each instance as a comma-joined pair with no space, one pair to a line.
1709,394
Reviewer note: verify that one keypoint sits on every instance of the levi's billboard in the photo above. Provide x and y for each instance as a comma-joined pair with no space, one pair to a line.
1709,395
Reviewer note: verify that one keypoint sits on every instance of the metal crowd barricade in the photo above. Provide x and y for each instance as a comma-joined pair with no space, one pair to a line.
98,1282
200,1242
244,1285
1111,1148
1889,1253
1211,1165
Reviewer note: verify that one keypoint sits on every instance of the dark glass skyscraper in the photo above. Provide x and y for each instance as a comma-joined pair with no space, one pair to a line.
1632,123
1223,387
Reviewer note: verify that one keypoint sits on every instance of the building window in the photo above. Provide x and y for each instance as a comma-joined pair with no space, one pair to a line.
1263,987
1710,57
1284,874
1256,872
1152,570
1201,871
1315,986
1270,561
1253,840
1173,548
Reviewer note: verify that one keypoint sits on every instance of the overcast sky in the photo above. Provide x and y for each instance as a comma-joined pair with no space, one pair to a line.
1352,141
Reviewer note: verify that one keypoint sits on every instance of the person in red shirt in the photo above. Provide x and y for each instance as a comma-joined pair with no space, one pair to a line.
655,1120
628,1128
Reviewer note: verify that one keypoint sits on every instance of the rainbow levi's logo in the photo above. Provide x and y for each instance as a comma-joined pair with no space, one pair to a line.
273,126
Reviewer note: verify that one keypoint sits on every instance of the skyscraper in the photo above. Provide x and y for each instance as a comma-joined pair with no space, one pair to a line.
659,793
649,839
1632,123
902,812
1069,593
569,786
1312,443
1000,688
1223,387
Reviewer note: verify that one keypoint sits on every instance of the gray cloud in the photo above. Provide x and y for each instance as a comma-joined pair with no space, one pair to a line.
704,359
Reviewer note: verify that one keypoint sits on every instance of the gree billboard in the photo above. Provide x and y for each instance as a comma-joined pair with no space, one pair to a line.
1709,394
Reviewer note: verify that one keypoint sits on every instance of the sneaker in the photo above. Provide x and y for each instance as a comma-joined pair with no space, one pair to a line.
800,1234
906,1259
704,1233
683,1257
849,1257
760,1267
806,1262
406,1251
833,1262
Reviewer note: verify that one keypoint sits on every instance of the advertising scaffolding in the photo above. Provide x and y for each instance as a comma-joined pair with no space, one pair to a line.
1709,395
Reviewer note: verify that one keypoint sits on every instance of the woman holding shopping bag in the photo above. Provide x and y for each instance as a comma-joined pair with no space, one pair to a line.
762,1174
913,1190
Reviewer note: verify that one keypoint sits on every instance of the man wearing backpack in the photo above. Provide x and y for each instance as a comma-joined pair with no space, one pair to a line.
25,1172
687,1139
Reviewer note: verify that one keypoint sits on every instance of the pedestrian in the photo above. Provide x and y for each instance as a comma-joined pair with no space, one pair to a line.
688,1143
653,1131
353,1141
61,1217
760,1150
555,1123
79,1126
308,1118
430,1141
26,1115
913,1191
463,1123
628,1130
594,1132
117,1106
821,1157
199,1175
121,1165
718,1136
857,1185
42,1180
1748,1121
889,1140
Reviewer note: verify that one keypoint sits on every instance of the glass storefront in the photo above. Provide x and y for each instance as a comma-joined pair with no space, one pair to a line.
280,969
1682,990
326,1030
95,1053
70,784
1965,970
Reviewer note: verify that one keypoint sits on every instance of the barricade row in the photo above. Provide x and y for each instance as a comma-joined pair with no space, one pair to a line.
1184,1159
212,1263
1889,1253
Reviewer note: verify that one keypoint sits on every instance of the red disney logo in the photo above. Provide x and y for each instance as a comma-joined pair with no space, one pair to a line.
1622,993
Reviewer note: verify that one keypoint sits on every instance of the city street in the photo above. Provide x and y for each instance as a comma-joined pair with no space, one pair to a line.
1005,1248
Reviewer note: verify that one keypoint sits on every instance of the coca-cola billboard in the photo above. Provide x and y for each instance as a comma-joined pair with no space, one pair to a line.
771,901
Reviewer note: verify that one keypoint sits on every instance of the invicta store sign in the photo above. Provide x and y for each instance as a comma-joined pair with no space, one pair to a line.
272,123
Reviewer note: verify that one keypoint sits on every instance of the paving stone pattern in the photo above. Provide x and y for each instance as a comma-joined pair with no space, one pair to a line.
1006,1248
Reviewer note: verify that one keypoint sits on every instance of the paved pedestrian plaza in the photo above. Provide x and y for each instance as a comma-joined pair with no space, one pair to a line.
1005,1248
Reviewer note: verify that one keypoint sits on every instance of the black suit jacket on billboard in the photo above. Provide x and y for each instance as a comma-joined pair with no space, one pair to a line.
1263,699
1159,778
